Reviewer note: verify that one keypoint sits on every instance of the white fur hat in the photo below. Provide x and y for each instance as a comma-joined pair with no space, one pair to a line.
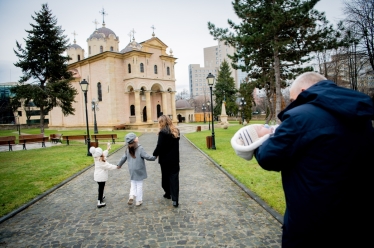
96,152
246,140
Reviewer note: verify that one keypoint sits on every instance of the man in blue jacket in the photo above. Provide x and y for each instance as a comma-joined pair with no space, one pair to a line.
324,150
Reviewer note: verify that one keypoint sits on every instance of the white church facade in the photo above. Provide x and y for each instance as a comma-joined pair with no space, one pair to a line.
133,86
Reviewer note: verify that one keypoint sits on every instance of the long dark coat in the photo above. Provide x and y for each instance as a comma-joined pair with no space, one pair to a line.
324,150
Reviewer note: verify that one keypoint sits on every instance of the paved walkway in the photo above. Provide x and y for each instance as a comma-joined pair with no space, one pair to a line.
213,211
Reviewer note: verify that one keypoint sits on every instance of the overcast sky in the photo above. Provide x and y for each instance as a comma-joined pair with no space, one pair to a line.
181,25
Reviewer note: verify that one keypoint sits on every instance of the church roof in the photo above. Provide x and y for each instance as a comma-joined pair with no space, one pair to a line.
182,104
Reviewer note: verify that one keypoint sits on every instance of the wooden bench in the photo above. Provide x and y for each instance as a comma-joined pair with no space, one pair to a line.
96,137
32,138
8,140
56,137
68,138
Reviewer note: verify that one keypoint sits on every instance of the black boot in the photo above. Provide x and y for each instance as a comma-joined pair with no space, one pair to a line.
167,196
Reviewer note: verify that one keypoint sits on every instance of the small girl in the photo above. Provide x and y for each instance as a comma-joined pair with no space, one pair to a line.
101,171
136,155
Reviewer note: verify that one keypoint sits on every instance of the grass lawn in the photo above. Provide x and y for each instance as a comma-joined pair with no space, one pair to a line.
266,184
26,174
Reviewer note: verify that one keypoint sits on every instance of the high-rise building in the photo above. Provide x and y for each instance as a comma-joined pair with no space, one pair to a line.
213,57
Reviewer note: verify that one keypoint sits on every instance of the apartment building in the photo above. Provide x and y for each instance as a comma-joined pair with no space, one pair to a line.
213,57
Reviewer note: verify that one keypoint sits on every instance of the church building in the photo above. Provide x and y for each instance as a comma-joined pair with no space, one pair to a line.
130,87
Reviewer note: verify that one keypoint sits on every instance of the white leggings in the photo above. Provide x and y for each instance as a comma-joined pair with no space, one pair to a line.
137,189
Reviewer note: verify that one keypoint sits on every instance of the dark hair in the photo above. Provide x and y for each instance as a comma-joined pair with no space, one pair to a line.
132,148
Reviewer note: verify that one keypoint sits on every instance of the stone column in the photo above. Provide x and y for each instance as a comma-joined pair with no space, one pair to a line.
165,110
173,109
137,107
149,107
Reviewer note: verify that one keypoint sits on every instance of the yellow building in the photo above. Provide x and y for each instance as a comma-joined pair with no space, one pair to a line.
133,86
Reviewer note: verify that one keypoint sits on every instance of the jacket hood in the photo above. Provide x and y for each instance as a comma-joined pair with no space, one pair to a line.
342,102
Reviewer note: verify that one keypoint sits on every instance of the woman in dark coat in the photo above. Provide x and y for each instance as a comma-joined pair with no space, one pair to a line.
167,150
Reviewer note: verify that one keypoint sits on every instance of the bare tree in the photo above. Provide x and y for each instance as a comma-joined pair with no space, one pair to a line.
360,16
184,94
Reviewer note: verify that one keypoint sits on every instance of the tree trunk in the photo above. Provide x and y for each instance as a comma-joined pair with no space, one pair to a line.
42,119
277,81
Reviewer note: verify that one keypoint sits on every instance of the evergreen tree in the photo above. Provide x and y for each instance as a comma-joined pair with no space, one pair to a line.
275,38
224,90
43,63
246,91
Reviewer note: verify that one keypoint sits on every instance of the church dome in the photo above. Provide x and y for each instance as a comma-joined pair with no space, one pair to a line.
131,47
75,46
102,32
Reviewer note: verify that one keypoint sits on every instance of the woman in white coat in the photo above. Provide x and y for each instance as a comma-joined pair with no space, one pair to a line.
101,171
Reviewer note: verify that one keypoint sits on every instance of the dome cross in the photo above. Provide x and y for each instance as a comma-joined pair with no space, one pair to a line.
104,14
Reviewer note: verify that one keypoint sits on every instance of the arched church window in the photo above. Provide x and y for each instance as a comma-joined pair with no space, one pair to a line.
79,57
111,49
132,110
101,49
168,70
155,68
129,68
99,92
141,67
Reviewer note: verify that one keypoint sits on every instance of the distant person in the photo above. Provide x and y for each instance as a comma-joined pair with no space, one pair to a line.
101,171
135,155
167,150
324,151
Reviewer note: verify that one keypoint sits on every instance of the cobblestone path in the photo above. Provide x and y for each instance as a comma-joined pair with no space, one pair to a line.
213,211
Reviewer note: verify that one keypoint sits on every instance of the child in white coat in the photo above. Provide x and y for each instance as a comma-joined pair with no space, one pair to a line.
101,171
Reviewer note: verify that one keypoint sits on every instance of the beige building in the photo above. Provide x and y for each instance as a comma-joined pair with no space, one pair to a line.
133,86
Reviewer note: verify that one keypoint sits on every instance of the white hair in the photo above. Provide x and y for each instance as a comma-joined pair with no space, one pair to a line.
305,80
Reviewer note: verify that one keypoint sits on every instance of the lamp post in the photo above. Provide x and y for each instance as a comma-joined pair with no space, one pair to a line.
19,126
95,105
84,87
208,103
210,80
242,104
204,108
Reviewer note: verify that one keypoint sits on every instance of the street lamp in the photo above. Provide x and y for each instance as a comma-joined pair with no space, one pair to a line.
210,80
19,126
95,105
204,108
84,87
208,103
242,104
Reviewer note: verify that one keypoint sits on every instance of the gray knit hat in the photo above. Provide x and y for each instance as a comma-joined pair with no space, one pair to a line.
130,137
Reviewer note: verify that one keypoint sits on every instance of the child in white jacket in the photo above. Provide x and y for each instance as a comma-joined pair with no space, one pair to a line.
101,171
